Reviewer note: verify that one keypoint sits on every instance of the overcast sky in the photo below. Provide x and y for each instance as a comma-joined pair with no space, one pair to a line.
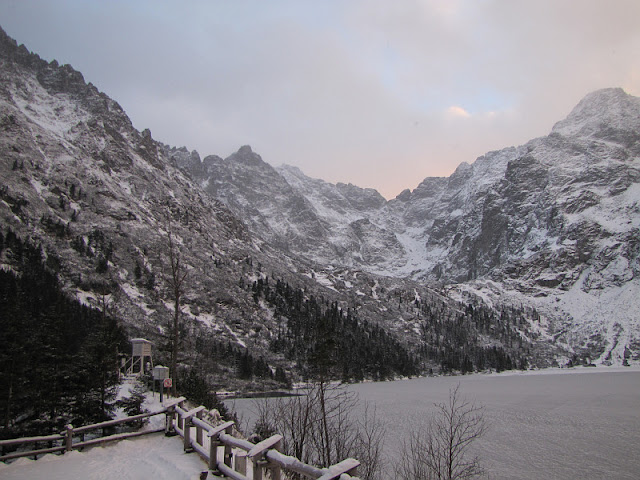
379,93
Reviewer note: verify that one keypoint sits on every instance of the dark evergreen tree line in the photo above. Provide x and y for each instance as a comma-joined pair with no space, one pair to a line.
213,354
196,388
325,341
474,340
59,359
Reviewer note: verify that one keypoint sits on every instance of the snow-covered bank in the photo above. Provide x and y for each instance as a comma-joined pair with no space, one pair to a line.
566,371
152,457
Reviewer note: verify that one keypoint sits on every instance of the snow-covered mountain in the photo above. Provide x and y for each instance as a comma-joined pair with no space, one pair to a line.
552,223
549,228
101,199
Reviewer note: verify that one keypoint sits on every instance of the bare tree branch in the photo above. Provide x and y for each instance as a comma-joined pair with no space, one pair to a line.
176,282
322,428
441,449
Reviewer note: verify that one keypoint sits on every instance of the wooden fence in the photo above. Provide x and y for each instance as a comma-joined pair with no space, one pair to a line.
224,453
240,459
66,438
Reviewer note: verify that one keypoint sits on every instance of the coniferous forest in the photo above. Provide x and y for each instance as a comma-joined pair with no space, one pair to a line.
476,339
326,341
59,359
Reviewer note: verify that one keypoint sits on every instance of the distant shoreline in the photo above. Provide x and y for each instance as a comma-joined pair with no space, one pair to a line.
224,396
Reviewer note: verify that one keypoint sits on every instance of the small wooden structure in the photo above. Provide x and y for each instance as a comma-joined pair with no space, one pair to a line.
141,358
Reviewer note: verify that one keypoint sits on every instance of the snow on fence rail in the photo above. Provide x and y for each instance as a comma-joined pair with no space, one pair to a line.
67,436
225,454
241,459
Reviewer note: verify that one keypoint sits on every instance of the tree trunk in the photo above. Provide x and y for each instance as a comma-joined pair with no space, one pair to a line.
325,425
175,282
7,412
174,349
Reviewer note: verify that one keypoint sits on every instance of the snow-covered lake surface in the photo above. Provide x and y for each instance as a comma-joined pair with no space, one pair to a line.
556,424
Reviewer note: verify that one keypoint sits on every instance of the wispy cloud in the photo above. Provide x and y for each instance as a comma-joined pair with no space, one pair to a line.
361,91
455,111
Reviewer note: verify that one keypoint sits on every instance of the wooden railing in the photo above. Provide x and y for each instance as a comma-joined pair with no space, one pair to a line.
224,453
243,460
66,438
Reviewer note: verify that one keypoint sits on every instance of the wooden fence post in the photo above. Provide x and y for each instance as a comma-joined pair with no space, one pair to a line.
168,421
187,435
213,453
188,422
215,442
276,471
256,454
199,429
180,421
240,462
68,441
228,452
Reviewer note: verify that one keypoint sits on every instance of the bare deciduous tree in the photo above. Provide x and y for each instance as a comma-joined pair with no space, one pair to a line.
370,444
175,280
322,428
440,451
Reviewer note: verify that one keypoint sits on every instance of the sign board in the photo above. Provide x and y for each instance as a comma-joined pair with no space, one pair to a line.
160,372
167,383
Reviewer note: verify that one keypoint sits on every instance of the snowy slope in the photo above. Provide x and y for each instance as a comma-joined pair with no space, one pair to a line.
557,215
553,223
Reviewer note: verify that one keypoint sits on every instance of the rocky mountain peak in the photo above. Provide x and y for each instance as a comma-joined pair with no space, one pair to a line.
552,225
361,198
52,76
245,150
602,113
247,156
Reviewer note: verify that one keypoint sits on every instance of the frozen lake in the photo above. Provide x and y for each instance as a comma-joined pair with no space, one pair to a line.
559,424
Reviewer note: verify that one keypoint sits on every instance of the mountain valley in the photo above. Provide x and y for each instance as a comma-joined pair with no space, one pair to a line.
527,257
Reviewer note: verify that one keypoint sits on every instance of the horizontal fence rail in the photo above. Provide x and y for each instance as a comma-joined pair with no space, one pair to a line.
224,453
67,436
240,459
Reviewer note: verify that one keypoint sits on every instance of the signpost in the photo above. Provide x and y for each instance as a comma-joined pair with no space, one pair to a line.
166,383
161,373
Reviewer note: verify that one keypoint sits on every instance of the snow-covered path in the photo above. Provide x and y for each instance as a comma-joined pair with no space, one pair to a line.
153,457
150,457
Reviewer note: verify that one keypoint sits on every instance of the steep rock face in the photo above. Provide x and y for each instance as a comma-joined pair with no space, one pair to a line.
102,199
350,214
557,214
327,223
552,224
561,226
260,196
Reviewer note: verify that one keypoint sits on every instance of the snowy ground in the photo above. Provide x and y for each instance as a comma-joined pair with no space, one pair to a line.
151,457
